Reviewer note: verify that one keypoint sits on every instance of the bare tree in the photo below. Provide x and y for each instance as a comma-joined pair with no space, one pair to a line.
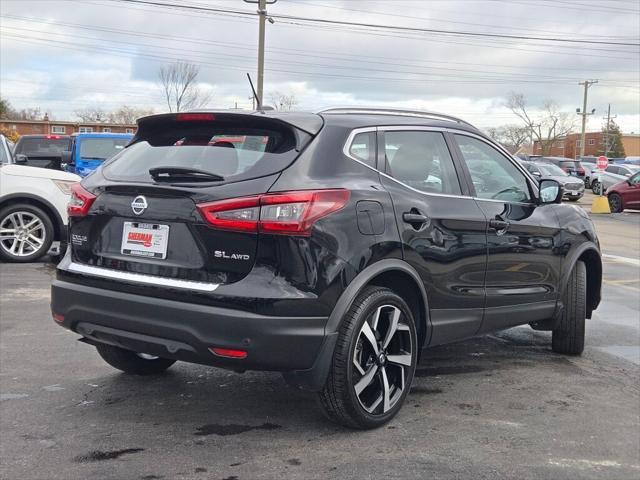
92,114
283,101
128,115
545,127
512,137
181,91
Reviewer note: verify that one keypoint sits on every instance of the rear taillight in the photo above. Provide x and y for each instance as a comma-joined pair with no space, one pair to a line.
80,201
287,213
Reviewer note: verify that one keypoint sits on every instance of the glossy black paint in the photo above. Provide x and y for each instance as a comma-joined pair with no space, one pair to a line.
470,277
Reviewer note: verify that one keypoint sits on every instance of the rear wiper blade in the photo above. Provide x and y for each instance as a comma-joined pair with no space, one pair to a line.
181,174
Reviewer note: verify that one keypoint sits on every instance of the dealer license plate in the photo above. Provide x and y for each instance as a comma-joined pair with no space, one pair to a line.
145,240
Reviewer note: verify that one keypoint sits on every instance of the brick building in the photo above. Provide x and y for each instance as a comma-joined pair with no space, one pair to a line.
569,146
55,127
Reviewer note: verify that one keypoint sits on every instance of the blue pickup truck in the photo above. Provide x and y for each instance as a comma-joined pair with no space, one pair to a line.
89,150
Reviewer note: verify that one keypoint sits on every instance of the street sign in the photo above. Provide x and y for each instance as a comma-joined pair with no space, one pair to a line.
603,162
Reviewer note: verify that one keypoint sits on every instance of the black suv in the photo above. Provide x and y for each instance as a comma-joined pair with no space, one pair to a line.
333,247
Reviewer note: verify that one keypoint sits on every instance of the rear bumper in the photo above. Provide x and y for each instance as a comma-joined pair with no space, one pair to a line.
185,331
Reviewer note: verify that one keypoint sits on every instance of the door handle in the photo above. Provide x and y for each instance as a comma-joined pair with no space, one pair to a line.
415,219
498,224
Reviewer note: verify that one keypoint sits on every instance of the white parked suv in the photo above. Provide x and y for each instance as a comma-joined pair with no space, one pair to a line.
33,208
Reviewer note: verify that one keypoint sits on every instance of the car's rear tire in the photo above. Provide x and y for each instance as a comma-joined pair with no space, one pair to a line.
595,187
615,203
568,336
132,362
26,233
373,363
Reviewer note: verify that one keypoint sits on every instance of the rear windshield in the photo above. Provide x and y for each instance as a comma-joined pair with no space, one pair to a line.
43,147
101,148
233,152
569,163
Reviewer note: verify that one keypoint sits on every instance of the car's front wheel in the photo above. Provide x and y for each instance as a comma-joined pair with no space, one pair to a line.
373,363
595,187
26,233
568,336
615,203
132,362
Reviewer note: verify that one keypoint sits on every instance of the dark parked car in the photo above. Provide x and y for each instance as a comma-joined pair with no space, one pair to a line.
572,167
333,247
41,150
625,194
572,187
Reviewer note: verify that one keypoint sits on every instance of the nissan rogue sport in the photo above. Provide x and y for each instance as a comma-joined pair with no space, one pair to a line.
333,247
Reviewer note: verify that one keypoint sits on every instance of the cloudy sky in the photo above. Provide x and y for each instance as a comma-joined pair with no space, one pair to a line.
63,55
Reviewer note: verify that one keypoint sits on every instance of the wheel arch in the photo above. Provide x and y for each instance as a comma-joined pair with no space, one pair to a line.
47,207
590,255
395,274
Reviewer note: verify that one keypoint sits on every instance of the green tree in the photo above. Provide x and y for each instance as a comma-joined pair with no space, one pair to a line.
5,108
612,146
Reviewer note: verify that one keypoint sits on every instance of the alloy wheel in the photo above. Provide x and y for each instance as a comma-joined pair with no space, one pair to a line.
382,359
22,233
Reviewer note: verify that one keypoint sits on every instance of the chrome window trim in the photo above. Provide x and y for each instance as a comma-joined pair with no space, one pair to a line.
454,131
353,133
140,278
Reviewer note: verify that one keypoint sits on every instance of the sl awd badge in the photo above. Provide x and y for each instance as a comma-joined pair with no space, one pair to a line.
139,205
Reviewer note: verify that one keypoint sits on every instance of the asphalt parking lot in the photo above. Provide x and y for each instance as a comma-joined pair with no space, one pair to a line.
497,406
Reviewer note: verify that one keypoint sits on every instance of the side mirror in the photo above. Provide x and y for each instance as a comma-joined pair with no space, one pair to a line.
65,156
537,174
21,158
550,192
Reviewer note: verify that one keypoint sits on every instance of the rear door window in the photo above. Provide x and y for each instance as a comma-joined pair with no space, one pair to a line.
232,151
422,161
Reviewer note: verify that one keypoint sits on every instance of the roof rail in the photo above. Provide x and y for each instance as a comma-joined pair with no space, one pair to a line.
395,111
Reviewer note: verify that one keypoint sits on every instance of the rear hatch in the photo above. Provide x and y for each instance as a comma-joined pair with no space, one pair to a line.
149,212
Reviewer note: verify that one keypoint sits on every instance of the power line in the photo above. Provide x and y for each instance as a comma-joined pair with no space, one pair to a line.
459,72
283,51
386,27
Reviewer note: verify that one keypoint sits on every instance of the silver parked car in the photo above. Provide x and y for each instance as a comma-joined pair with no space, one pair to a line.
573,186
613,174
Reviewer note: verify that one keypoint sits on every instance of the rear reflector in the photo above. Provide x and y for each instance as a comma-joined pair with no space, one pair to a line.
58,318
80,201
287,213
228,352
195,117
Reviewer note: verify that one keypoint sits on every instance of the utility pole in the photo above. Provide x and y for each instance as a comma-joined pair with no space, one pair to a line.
584,113
262,14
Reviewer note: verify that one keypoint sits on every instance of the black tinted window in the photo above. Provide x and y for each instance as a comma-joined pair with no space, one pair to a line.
42,146
236,153
422,161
